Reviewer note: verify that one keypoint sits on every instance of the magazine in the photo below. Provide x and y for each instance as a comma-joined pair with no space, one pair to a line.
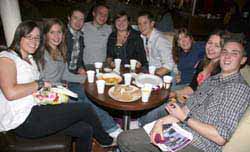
53,95
175,137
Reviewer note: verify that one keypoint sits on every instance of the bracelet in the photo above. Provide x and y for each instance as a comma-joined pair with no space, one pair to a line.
40,84
185,121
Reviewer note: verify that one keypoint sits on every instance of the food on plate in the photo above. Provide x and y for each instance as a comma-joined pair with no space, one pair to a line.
125,93
110,79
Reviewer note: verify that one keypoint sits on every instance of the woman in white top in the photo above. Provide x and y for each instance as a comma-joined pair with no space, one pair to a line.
19,78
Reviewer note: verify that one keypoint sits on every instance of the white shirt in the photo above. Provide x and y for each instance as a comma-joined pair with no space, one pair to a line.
14,113
159,50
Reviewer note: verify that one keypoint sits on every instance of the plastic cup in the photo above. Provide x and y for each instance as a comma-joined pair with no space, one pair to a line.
133,64
100,86
151,69
167,81
127,78
91,76
98,66
117,64
146,92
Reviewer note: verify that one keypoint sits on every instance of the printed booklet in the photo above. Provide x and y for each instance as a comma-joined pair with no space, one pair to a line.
175,137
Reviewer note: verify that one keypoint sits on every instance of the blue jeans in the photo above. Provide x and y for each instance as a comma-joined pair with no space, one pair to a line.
153,115
107,121
178,86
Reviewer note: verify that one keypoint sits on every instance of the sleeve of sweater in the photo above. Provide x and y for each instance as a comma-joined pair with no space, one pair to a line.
70,77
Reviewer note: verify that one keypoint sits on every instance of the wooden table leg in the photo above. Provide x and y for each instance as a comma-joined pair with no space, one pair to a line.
126,120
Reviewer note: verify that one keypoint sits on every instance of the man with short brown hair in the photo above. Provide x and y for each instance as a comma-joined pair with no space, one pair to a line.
96,34
211,113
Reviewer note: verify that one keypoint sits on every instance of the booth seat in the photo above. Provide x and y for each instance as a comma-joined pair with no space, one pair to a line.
9,142
240,141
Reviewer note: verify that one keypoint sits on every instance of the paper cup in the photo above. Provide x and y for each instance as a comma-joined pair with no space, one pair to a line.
91,76
146,92
98,66
151,69
100,86
117,64
167,81
127,78
133,64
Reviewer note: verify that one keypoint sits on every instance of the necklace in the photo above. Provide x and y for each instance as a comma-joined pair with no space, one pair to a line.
27,59
122,38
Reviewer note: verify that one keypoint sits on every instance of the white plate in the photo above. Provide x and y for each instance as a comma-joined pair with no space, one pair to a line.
130,92
141,79
108,76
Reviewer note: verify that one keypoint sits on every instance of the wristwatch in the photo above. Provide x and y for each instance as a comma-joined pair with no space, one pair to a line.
40,84
185,121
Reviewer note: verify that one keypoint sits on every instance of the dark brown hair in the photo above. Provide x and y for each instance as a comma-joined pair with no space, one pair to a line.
22,30
184,31
150,16
222,36
74,9
121,14
176,49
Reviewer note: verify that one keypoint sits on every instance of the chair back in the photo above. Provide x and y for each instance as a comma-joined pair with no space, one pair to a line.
239,142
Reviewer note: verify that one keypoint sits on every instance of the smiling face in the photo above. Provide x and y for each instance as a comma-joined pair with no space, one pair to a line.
145,25
231,58
185,42
122,23
213,47
30,42
54,36
100,15
76,20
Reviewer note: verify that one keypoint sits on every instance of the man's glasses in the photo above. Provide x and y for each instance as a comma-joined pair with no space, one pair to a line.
30,38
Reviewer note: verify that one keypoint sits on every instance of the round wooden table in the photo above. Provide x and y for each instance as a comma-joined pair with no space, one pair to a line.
157,98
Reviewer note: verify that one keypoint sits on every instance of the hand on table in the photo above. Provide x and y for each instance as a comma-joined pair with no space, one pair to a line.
112,64
138,64
47,84
161,71
81,71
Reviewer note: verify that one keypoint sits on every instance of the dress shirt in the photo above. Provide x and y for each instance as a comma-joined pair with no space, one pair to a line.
220,102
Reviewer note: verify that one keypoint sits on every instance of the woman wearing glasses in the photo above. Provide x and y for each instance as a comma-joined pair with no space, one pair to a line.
19,111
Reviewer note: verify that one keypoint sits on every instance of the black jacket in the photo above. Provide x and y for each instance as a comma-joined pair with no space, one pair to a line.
80,62
133,47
